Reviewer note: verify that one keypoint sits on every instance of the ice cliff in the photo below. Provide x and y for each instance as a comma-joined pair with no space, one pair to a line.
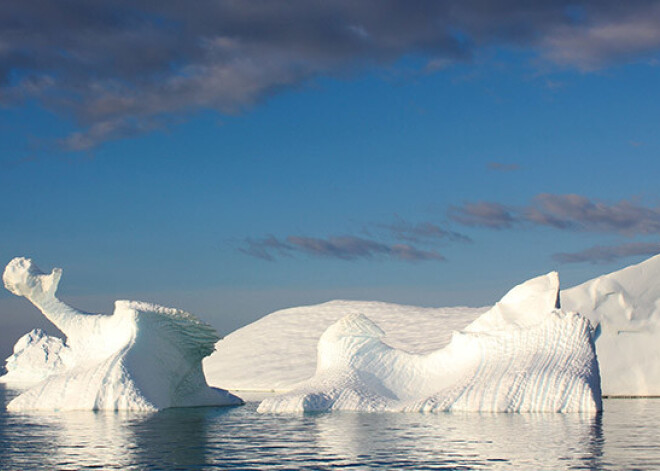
624,308
523,355
142,357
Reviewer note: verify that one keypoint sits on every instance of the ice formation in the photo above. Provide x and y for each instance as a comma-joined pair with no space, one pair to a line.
523,355
279,350
142,357
36,356
624,308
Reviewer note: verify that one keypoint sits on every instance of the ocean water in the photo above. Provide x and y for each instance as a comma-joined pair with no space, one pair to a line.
624,436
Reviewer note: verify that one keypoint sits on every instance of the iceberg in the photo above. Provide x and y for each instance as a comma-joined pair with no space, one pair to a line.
143,357
278,351
624,308
523,355
36,356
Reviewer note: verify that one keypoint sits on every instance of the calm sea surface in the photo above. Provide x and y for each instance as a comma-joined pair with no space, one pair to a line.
625,436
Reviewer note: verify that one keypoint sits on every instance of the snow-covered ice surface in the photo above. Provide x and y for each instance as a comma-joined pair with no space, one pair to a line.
142,357
279,350
36,356
624,308
523,355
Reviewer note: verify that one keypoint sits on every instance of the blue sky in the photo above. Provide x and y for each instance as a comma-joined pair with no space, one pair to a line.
436,169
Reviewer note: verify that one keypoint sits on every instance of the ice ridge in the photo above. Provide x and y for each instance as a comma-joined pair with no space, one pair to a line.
523,355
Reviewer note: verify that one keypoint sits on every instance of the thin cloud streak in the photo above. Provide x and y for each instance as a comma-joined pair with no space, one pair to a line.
423,232
604,254
265,248
569,212
120,69
576,212
483,214
338,247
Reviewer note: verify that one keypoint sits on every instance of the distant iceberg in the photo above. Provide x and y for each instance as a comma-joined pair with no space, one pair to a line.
523,355
143,357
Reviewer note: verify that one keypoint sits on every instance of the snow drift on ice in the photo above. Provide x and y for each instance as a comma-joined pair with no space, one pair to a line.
523,355
142,357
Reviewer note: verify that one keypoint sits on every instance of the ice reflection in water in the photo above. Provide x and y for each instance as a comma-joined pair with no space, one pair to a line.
624,436
469,441
65,440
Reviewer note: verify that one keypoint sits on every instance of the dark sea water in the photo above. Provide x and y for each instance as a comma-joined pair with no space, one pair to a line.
625,436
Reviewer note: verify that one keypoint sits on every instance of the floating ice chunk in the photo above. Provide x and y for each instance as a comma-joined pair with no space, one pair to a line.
36,356
142,357
524,355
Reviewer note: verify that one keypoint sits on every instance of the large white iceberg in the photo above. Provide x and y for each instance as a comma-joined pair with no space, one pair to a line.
279,350
142,357
623,307
523,355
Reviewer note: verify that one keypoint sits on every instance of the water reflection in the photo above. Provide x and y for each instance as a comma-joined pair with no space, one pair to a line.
522,441
68,440
177,438
624,436
171,439
630,433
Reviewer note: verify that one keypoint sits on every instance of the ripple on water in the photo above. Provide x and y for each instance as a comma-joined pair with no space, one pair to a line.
624,436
